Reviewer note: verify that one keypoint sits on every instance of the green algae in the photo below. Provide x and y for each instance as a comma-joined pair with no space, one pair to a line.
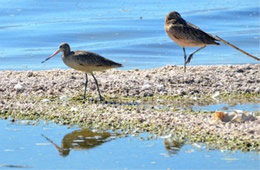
109,114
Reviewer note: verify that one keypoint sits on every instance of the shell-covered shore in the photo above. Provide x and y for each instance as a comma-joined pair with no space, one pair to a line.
155,100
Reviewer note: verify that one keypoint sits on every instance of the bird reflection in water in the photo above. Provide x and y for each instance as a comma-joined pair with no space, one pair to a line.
173,145
79,140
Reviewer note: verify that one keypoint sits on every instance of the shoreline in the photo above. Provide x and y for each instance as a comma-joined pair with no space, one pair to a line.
140,101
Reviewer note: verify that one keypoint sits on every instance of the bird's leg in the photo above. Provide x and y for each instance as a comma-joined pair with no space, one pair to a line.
100,97
191,55
184,59
86,84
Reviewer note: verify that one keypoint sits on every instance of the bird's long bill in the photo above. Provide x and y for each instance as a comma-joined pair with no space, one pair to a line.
55,53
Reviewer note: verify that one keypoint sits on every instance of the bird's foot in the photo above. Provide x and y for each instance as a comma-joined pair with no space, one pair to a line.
101,98
189,59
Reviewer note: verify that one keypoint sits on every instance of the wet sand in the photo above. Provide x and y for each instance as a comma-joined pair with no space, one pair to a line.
140,100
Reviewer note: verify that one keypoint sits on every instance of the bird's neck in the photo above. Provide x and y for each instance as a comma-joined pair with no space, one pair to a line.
67,52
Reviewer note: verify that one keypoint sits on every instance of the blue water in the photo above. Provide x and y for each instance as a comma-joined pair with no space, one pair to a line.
251,107
129,32
23,146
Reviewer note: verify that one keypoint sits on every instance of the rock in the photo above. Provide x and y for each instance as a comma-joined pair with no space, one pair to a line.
146,87
64,98
219,116
241,117
29,74
46,100
257,90
73,77
215,95
74,109
19,87
160,87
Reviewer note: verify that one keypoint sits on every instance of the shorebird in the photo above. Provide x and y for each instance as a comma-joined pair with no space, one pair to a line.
84,61
186,34
80,140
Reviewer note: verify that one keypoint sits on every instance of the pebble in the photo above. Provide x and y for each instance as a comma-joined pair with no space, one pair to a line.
64,98
215,95
29,74
46,100
146,87
18,87
74,109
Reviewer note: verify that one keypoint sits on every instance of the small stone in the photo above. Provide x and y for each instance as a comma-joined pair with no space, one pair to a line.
29,74
74,109
46,100
160,86
257,90
218,116
73,77
251,131
18,87
64,98
195,98
146,87
215,95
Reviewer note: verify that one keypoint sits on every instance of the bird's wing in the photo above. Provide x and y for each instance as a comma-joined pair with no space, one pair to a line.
191,32
196,27
192,25
89,58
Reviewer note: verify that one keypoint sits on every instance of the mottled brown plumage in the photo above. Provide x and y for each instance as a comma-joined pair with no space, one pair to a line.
186,34
84,61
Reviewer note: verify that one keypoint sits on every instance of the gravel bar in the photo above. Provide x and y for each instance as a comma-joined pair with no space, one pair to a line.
157,100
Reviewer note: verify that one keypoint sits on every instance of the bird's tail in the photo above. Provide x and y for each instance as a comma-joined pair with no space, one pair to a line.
118,65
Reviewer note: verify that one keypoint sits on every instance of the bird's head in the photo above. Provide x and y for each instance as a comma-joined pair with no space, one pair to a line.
173,17
63,47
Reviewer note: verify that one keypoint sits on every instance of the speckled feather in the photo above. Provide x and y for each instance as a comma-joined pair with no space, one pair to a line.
86,58
185,33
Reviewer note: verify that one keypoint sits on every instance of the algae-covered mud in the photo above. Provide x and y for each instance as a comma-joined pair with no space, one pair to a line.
158,101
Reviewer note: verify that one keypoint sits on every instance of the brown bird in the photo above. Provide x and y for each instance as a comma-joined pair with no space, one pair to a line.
186,34
80,140
84,61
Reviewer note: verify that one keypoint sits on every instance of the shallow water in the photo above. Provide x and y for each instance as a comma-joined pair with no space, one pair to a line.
129,32
23,146
251,107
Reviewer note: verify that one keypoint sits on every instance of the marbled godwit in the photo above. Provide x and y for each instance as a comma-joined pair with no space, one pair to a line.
80,140
186,34
84,61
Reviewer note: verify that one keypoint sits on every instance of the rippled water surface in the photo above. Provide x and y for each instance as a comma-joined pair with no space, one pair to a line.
129,32
51,146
